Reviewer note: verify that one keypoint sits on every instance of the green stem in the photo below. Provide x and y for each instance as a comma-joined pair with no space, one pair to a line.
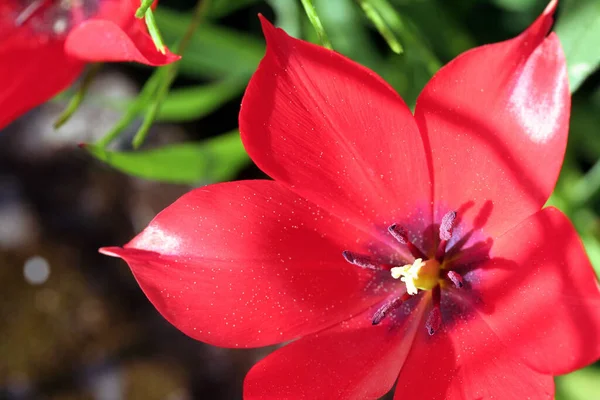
77,99
141,12
154,32
407,33
170,72
309,8
373,14
134,109
153,109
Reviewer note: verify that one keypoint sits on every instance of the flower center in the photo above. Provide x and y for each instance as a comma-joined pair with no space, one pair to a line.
423,274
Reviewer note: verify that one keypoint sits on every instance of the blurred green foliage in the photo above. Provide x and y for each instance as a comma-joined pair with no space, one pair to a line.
214,51
201,163
579,32
418,37
581,385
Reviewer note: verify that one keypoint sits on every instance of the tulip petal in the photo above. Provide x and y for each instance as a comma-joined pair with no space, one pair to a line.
354,360
466,360
25,78
335,133
540,295
497,121
248,264
103,40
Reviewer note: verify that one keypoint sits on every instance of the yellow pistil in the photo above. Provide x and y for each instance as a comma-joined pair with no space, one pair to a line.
421,274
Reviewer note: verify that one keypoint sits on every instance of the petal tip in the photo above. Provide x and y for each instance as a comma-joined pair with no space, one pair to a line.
544,22
99,40
269,30
264,22
550,8
111,251
168,58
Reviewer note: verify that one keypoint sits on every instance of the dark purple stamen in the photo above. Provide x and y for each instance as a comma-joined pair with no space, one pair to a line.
456,278
434,320
389,306
446,228
399,233
447,225
28,12
362,261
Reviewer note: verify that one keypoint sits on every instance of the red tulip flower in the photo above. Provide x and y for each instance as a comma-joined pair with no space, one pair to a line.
44,45
389,247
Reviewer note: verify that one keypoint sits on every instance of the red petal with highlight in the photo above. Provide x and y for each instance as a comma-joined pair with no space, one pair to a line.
353,360
539,294
497,121
248,264
103,40
335,133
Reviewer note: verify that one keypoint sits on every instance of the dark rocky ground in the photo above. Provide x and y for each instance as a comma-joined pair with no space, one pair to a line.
86,331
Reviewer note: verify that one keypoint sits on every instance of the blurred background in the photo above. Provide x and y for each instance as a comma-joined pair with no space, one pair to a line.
73,323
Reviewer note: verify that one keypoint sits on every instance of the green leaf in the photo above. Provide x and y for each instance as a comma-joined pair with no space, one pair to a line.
213,160
182,104
579,385
585,117
213,51
592,248
196,102
222,8
411,36
516,5
348,31
578,28
432,18
587,187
